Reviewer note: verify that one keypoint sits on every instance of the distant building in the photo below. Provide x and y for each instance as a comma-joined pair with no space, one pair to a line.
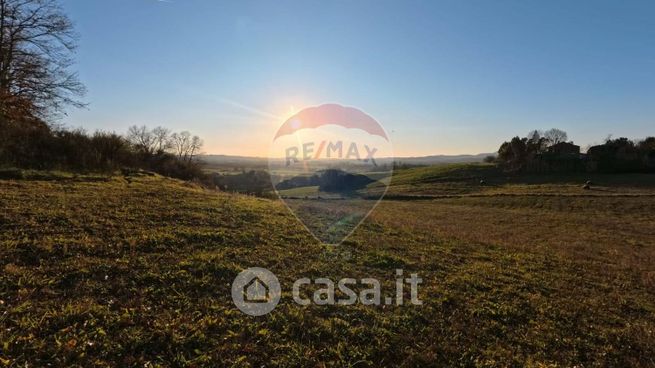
564,148
560,157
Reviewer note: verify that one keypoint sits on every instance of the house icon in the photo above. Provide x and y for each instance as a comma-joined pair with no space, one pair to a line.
256,291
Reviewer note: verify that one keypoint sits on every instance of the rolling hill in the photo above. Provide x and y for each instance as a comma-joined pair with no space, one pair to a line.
105,271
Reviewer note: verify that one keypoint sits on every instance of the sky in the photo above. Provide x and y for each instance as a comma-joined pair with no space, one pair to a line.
442,77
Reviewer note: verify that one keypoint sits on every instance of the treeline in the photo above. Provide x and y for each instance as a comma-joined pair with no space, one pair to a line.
550,151
32,144
516,154
254,182
37,85
330,180
622,155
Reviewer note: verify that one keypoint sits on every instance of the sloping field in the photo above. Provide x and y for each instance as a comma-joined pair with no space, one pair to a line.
486,179
109,272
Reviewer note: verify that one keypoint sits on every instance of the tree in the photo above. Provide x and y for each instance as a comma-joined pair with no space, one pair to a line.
185,146
536,142
513,154
555,136
535,135
180,143
37,42
161,140
489,159
111,149
142,139
647,144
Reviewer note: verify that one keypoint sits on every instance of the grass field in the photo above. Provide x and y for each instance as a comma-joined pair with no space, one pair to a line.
519,272
464,179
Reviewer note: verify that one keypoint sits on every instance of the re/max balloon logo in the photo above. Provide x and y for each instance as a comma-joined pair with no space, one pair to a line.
328,150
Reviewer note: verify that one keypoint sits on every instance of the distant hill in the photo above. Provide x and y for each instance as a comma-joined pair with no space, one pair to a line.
231,160
227,160
444,159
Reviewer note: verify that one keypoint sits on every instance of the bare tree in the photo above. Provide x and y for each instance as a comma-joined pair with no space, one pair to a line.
196,146
185,146
37,42
142,138
555,136
161,140
180,143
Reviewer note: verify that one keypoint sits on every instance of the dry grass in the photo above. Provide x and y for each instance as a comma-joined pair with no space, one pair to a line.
105,273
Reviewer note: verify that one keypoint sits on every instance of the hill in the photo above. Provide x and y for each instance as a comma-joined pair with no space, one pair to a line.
136,271
245,162
443,159
486,179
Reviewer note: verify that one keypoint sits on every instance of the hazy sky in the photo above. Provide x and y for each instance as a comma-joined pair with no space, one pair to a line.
441,76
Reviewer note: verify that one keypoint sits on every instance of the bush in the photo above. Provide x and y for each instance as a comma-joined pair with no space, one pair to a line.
33,145
11,174
490,159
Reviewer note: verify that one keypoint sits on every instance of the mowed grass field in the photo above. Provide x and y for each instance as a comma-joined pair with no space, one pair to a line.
108,272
